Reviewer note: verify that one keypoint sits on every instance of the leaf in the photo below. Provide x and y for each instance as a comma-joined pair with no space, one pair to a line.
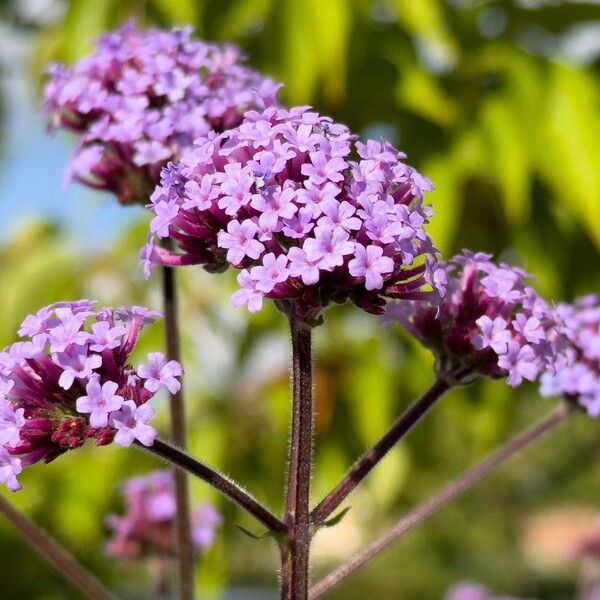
244,17
331,21
252,535
507,157
414,85
569,146
336,518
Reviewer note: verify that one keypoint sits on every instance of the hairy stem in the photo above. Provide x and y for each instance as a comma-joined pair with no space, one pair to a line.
371,458
295,551
55,555
218,481
441,499
185,548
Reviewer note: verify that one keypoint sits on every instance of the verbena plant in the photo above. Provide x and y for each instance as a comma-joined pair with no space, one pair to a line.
310,216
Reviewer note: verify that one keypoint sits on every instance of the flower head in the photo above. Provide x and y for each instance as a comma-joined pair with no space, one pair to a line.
471,591
70,380
578,377
147,528
490,322
141,98
309,215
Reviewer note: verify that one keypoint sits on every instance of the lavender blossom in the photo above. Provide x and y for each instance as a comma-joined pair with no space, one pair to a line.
141,98
147,527
490,322
281,199
67,382
470,591
578,377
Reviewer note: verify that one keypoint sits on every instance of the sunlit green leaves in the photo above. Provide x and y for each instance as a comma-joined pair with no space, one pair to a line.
569,143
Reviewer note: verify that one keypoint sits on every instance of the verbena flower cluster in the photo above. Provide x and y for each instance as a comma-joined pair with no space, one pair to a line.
490,322
69,380
147,528
579,378
142,97
281,198
470,591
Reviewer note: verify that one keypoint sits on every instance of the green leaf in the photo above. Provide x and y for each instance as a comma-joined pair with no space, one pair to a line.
336,518
252,535
569,146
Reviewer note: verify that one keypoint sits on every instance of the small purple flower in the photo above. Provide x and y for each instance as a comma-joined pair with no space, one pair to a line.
240,241
105,337
76,364
205,521
521,363
10,467
160,373
248,294
329,247
100,401
370,263
272,271
468,591
68,333
301,267
492,334
11,422
322,169
164,212
131,423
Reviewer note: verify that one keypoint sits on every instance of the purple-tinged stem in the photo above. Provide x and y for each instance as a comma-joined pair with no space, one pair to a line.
185,547
54,554
370,459
441,499
295,549
218,481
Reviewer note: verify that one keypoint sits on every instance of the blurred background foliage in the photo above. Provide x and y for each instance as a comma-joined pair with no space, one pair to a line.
499,103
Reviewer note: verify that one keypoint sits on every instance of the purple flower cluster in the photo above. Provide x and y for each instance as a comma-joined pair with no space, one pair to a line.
578,378
142,97
69,379
148,526
470,591
280,198
490,322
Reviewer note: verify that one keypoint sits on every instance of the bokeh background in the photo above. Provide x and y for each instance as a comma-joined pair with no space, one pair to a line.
499,103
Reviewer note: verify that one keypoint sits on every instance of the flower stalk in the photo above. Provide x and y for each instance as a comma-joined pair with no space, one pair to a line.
295,550
371,458
185,548
430,507
55,555
218,481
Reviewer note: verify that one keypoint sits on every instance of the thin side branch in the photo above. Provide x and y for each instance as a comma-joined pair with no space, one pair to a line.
185,547
55,555
220,482
437,502
371,458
